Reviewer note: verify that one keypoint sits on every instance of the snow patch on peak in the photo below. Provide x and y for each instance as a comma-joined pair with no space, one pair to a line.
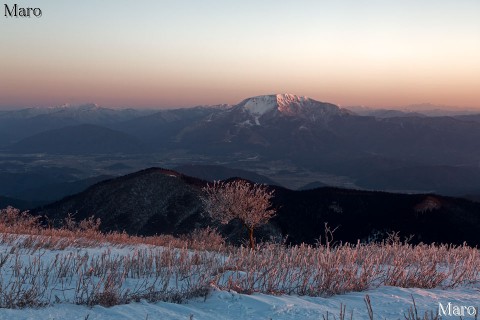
287,98
261,104
289,105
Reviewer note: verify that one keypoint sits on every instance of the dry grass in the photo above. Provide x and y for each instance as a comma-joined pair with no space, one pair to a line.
175,269
322,271
86,233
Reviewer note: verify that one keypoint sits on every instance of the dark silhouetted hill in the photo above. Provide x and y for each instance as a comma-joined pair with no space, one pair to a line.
313,185
215,172
164,201
147,202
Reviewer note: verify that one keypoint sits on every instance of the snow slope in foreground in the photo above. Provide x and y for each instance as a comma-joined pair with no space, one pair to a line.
387,303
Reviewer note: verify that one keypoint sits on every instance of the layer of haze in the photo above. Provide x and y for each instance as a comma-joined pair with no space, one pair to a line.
159,53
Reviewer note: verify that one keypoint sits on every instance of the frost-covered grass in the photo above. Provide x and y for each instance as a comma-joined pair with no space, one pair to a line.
86,233
100,276
79,265
109,276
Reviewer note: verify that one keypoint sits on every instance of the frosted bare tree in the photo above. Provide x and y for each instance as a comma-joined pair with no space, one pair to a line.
249,203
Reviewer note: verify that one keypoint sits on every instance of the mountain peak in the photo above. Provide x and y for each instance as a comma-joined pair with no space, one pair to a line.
259,105
285,98
289,105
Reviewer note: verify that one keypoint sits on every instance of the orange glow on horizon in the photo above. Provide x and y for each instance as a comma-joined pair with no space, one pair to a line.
186,54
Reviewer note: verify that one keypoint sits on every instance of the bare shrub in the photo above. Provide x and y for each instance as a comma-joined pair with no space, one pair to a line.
13,220
205,238
328,233
249,203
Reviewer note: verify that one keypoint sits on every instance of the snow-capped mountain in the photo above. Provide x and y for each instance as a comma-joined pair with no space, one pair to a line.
279,124
287,105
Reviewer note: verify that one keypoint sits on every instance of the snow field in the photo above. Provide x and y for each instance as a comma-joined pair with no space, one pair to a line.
272,282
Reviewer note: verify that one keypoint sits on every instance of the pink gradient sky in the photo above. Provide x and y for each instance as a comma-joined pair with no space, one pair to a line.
183,53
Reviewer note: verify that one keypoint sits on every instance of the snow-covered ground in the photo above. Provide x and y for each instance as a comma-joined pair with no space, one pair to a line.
387,302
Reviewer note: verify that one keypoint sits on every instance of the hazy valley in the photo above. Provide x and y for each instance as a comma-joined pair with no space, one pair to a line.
294,141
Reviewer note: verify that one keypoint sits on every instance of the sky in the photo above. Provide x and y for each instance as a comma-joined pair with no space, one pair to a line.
159,53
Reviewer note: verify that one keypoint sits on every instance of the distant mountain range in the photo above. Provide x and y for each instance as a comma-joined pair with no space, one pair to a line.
81,139
422,109
278,136
27,122
156,200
